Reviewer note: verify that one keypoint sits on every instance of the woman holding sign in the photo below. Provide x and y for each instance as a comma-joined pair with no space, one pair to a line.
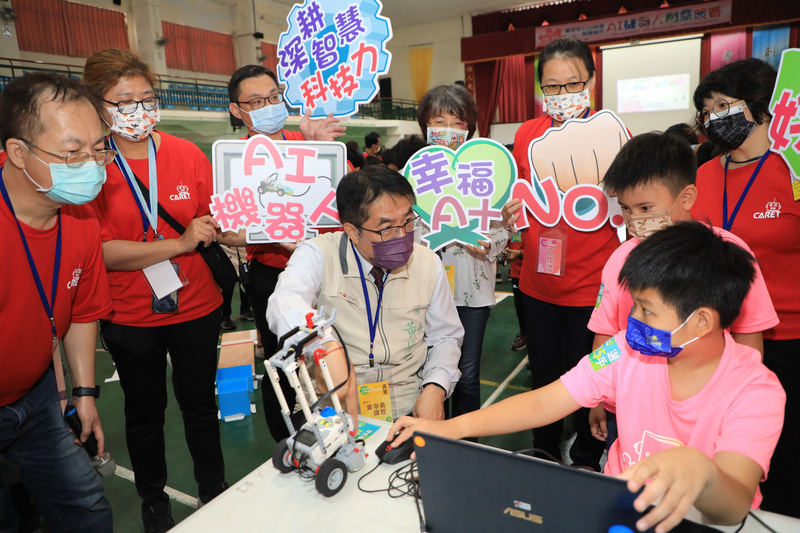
156,183
748,191
448,116
561,265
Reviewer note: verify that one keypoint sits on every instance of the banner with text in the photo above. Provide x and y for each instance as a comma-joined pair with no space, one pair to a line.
278,191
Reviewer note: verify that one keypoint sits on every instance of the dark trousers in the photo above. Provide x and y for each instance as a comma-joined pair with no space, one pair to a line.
781,490
227,300
263,279
140,356
557,339
519,306
466,396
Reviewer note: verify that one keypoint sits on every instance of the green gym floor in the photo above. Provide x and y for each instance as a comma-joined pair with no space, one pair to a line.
247,443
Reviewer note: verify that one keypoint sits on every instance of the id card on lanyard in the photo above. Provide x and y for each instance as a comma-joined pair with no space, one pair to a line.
164,278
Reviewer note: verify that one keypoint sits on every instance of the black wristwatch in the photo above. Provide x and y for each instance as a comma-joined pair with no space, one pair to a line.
86,391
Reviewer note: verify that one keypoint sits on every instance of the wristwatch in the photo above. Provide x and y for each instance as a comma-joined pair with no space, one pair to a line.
86,391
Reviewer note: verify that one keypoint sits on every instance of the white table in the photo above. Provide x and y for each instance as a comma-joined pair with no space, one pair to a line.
266,500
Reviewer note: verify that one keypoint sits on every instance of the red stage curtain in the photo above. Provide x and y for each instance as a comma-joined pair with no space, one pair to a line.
487,83
68,28
597,92
531,109
198,50
512,95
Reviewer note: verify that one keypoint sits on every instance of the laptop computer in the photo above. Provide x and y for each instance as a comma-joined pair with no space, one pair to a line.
470,487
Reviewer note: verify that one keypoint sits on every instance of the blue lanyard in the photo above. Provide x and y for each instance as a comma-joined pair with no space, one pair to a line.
373,323
149,215
728,222
48,305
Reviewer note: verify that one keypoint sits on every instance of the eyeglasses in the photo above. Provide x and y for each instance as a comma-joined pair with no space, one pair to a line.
720,108
256,103
126,107
78,159
392,232
571,87
441,123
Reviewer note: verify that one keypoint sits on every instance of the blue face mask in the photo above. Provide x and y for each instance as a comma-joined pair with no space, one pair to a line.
653,341
74,186
268,119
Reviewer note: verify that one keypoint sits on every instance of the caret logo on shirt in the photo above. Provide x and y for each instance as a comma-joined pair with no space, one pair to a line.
76,277
772,210
182,193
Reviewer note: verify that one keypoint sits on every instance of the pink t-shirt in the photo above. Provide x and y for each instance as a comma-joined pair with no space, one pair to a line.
614,304
740,409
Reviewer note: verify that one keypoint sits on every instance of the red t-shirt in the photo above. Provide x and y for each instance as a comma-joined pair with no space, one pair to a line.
3,157
184,191
587,252
273,254
768,221
82,293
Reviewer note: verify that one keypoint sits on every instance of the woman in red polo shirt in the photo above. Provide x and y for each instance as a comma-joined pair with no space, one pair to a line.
176,175
557,307
748,191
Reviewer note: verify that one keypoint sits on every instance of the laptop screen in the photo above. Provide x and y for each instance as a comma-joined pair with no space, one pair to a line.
471,487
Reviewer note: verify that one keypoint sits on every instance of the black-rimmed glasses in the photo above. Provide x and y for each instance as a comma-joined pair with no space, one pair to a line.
257,103
571,87
392,232
126,107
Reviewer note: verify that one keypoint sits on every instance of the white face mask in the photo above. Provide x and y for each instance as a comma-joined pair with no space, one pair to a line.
135,126
566,106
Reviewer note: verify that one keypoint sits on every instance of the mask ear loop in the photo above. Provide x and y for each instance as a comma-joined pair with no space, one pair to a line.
25,171
358,246
679,327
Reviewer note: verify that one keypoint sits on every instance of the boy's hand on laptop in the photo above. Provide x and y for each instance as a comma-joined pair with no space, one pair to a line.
677,477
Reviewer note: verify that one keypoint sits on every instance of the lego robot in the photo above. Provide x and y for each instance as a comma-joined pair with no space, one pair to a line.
325,447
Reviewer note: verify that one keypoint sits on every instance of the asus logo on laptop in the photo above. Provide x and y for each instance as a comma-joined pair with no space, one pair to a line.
522,510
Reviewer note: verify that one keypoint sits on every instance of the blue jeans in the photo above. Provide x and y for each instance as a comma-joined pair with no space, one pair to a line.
467,394
56,472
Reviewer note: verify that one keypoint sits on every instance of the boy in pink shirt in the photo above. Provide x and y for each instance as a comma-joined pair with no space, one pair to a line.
653,178
699,415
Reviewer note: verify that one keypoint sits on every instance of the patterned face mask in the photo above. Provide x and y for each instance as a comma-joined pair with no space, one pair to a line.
450,137
566,106
730,131
643,225
135,126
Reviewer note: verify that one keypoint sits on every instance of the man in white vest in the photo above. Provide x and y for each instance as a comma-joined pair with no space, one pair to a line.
396,315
